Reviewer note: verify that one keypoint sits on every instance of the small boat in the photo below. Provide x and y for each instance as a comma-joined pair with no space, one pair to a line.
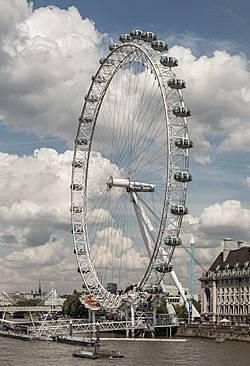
85,354
220,339
98,354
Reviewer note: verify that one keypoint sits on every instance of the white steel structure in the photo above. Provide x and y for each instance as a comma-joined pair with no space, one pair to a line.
130,170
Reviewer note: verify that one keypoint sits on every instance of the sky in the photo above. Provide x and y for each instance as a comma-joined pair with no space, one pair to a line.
48,52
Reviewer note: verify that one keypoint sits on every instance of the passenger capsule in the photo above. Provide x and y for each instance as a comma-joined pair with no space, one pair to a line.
83,270
172,241
148,36
153,289
91,98
76,209
76,187
163,268
113,46
184,143
179,210
159,46
99,79
183,176
81,141
106,61
78,164
136,34
181,111
80,251
85,119
125,38
168,61
176,84
77,229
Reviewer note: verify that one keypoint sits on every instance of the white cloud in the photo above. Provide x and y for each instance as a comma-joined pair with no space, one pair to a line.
35,219
44,70
202,159
50,253
230,215
35,196
226,219
218,92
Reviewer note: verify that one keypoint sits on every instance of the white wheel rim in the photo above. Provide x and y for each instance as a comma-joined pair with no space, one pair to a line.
176,160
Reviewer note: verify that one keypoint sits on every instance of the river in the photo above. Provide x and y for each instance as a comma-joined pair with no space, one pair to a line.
194,352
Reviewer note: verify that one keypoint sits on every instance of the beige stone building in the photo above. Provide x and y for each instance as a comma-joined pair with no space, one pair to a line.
226,286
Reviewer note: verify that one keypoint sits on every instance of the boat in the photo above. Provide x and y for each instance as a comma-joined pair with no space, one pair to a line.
98,354
220,338
85,354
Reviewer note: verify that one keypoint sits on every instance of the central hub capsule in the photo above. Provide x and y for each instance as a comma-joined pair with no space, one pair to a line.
131,186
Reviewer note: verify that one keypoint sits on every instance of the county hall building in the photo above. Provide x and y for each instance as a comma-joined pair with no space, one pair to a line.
226,286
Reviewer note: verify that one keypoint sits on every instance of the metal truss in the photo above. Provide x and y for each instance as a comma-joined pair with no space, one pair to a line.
79,326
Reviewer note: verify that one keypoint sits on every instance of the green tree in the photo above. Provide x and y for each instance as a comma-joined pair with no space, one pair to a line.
181,311
197,305
28,302
73,307
161,309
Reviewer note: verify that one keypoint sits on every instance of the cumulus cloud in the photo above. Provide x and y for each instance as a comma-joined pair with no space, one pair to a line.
45,69
35,218
121,253
219,220
37,201
51,253
218,91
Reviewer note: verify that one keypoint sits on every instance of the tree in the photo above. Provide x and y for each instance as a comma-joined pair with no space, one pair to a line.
73,307
28,302
161,309
181,311
197,305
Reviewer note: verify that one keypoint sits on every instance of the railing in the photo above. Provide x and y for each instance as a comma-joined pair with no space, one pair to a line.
28,309
78,326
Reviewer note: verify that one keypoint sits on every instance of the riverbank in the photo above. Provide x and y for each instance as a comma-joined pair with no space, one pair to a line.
231,333
15,335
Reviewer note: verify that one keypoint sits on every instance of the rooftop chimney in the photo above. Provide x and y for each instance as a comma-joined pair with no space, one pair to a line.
226,249
239,242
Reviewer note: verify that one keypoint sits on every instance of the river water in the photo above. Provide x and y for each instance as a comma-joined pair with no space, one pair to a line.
195,352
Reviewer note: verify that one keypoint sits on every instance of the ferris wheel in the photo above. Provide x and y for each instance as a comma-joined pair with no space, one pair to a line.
130,170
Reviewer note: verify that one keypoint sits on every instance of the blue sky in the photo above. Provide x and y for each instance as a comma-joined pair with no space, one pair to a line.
212,20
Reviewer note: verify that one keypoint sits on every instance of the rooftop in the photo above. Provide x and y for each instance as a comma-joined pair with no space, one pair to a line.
240,256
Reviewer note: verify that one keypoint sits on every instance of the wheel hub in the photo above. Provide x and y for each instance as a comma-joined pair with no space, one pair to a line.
131,186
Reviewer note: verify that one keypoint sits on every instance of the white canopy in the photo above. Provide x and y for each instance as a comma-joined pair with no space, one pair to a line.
224,321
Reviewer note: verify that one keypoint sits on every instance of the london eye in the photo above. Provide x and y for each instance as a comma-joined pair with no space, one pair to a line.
130,170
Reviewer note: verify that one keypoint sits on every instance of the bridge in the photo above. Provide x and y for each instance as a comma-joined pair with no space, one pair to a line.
65,327
80,326
11,309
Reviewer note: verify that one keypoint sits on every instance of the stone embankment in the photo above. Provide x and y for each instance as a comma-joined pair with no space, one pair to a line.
232,333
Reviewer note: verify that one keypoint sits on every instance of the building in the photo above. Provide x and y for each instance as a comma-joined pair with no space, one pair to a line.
5,299
174,296
226,285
